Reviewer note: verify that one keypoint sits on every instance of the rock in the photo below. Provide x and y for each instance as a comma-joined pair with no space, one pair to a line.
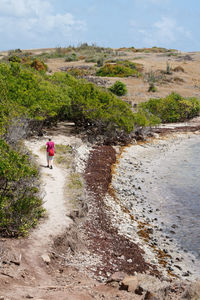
29,296
150,296
74,214
46,258
152,285
130,283
16,259
195,289
186,274
117,276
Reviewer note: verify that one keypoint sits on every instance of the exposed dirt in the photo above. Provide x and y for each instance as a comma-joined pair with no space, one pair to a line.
185,83
32,268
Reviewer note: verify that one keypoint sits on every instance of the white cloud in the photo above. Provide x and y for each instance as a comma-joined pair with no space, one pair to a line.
22,8
36,20
163,32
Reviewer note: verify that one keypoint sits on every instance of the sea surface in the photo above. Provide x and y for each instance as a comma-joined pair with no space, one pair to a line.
178,190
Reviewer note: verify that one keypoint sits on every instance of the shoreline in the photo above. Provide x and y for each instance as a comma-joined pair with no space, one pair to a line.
142,222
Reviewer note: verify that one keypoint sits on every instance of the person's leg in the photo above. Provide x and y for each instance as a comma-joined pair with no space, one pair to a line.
51,162
47,159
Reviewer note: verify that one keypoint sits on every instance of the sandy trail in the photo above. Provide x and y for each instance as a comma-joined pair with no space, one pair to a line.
56,221
53,182
33,275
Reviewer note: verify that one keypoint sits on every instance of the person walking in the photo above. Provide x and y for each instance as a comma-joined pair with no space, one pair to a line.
50,146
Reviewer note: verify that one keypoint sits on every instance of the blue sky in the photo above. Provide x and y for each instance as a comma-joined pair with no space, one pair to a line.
28,24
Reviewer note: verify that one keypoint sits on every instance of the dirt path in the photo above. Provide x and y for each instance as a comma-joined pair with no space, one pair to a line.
53,182
40,239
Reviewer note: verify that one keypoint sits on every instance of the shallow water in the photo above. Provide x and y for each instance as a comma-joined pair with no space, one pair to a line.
179,188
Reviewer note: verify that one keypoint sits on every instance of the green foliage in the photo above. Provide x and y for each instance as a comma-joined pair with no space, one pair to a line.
118,88
173,108
152,88
14,58
71,57
38,65
34,95
100,61
20,205
79,72
92,105
119,69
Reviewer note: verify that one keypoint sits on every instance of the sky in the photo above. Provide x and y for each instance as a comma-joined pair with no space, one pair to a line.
30,24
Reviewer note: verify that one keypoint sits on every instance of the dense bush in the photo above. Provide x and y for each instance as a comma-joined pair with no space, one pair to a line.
38,65
20,205
14,58
119,69
32,94
173,108
72,57
118,88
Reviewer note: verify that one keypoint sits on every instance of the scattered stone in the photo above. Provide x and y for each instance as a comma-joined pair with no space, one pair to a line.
150,296
74,214
194,290
117,276
153,285
129,283
16,259
29,296
46,258
186,274
174,226
178,267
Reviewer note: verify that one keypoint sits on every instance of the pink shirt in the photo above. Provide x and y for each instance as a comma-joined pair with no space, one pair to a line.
50,145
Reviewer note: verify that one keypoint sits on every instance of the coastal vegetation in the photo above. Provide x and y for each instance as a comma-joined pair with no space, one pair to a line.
20,204
31,99
172,108
123,68
118,88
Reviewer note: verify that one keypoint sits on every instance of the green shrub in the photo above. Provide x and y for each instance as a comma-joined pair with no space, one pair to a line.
118,88
173,108
14,58
20,205
91,59
152,88
38,65
100,61
71,57
119,69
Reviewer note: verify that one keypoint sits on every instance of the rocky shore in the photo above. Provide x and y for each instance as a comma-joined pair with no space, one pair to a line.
119,232
136,208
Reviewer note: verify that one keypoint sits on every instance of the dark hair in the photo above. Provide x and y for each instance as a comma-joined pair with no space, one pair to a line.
49,139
